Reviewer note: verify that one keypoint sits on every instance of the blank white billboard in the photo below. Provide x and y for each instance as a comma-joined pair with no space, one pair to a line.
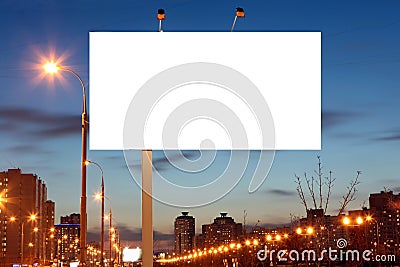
205,90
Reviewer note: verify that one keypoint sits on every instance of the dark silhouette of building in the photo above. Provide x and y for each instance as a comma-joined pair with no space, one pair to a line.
223,231
67,238
184,232
25,218
74,218
199,242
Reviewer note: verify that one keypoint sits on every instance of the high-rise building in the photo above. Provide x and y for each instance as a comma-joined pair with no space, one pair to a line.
223,231
50,231
67,238
184,231
385,225
24,218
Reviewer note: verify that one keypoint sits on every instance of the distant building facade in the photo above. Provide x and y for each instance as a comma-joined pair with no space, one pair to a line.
184,232
385,227
22,196
223,231
376,228
73,218
67,238
49,211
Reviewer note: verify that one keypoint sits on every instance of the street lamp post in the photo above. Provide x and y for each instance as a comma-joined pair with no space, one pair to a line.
87,162
110,227
52,68
31,218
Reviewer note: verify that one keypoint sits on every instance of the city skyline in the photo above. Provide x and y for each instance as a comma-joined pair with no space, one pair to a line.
40,120
377,201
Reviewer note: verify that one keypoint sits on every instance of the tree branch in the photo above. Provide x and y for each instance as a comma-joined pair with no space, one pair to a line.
301,192
351,192
329,184
310,185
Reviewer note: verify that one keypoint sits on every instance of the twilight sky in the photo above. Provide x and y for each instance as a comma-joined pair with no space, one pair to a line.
40,118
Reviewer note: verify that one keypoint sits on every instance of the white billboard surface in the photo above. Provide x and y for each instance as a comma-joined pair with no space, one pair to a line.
205,90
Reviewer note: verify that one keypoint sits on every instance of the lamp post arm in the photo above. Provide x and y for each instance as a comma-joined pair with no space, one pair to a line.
82,84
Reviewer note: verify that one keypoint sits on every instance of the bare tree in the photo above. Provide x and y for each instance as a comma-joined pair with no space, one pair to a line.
351,193
324,185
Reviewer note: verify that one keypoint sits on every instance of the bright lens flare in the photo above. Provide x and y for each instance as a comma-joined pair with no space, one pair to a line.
51,67
346,221
310,230
48,65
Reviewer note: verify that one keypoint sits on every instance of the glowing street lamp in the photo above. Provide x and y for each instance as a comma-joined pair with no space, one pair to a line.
310,230
346,221
52,68
299,231
285,235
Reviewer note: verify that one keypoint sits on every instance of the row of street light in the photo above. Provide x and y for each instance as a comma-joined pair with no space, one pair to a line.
269,238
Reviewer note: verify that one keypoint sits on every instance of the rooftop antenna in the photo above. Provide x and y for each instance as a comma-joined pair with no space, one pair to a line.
239,14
